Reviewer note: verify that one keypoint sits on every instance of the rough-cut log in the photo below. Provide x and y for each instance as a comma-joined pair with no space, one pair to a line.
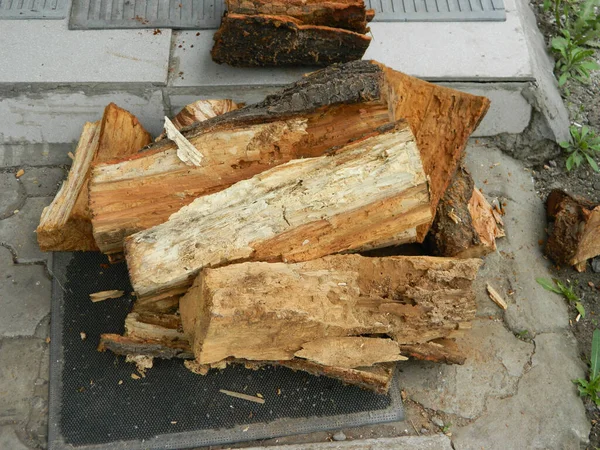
441,350
464,225
59,229
301,210
145,190
347,14
350,98
127,345
65,223
575,236
277,40
269,311
200,111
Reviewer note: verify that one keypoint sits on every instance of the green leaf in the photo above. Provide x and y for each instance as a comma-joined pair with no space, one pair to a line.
547,284
590,65
580,309
570,162
563,79
595,357
592,163
565,144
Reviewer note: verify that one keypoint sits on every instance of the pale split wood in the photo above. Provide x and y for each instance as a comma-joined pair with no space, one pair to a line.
488,225
105,295
351,352
186,152
301,210
250,398
496,297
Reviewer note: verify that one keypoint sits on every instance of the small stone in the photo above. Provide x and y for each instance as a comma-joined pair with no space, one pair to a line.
596,264
597,185
437,422
20,173
424,431
339,436
552,163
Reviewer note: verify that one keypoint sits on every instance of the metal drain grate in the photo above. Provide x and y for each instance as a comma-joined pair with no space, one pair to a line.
206,14
33,9
178,14
437,10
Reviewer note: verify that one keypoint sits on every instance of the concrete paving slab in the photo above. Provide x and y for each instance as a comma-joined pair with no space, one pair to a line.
18,231
519,259
42,154
10,440
121,56
435,442
496,360
19,364
58,115
24,296
42,181
13,194
546,413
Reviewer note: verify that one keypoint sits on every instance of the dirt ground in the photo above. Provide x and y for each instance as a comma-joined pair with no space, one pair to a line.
583,104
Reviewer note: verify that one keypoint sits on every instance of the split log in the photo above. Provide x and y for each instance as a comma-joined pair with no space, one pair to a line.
575,235
465,225
305,209
278,40
145,190
65,224
269,311
346,14
340,103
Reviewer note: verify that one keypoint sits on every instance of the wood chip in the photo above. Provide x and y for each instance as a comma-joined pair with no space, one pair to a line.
135,377
71,155
250,398
82,335
105,295
496,297
186,152
20,173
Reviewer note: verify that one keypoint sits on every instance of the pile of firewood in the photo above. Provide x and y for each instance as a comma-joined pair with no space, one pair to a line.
292,32
242,232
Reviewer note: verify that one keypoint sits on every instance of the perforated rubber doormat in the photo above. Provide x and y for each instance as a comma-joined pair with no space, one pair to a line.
96,404
206,14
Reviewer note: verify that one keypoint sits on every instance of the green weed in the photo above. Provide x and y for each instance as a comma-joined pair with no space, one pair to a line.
585,147
563,289
591,386
573,60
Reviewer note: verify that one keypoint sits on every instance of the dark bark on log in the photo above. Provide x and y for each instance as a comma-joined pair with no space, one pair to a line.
261,40
346,14
574,237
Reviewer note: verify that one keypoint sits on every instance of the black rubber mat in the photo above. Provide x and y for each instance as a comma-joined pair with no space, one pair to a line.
96,404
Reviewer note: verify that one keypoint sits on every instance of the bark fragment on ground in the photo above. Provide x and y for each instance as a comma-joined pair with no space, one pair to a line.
575,234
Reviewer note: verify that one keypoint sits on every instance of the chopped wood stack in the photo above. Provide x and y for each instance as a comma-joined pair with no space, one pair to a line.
574,236
229,255
292,32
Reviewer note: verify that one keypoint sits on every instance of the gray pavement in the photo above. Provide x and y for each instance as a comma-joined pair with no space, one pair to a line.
511,393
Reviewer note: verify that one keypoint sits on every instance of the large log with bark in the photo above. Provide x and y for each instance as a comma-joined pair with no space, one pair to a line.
340,103
278,40
143,191
575,235
65,224
346,14
465,224
308,208
345,310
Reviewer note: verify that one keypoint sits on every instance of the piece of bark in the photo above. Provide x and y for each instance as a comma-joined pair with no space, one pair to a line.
346,14
298,211
145,190
250,398
350,352
269,311
464,226
575,235
65,223
200,111
278,40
